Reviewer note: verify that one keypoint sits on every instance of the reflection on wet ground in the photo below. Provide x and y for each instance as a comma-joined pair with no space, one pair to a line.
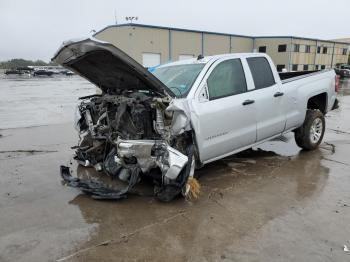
28,101
271,203
345,87
239,195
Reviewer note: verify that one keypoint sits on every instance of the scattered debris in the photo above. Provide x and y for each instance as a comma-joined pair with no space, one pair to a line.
192,188
96,189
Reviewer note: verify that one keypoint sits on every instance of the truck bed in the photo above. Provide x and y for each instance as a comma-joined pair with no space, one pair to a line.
292,76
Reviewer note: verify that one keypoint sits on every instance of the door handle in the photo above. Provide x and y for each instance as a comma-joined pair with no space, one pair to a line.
278,94
248,102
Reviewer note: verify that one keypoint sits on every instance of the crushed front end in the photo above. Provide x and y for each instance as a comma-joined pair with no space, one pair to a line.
128,137
135,129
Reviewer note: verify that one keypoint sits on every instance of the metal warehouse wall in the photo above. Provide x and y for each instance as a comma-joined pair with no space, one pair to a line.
279,58
171,43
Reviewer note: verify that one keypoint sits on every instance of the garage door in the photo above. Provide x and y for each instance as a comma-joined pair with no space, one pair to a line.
150,59
184,57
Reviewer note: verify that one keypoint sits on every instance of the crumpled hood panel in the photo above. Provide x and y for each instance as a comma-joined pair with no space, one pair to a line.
107,67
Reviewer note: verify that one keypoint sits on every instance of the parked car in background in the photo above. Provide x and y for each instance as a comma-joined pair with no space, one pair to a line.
185,114
43,72
342,72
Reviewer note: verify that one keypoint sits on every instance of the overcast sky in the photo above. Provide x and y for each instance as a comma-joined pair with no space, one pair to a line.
34,29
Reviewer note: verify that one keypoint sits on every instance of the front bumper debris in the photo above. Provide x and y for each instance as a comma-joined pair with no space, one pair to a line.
97,190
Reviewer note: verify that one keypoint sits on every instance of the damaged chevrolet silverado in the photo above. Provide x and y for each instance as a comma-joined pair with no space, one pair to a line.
162,125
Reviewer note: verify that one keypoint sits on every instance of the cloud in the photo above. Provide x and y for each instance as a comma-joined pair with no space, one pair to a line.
35,29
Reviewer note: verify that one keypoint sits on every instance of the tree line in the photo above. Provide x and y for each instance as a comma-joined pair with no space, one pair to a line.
18,62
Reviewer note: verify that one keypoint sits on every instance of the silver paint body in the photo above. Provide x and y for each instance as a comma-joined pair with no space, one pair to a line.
224,126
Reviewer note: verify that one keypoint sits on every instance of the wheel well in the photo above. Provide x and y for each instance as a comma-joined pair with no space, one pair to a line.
318,102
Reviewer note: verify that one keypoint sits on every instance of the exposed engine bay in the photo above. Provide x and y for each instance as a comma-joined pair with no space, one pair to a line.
130,136
137,128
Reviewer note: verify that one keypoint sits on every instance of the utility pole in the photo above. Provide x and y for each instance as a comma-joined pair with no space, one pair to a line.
115,16
332,55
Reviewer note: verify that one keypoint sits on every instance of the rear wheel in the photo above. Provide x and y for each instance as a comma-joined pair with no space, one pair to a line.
310,134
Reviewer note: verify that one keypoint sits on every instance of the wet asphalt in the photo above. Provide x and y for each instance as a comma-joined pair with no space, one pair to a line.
272,203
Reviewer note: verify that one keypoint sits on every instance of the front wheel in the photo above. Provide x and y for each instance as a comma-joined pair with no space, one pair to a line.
310,134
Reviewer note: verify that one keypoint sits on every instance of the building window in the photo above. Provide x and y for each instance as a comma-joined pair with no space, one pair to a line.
280,68
318,50
282,48
306,67
323,67
262,49
227,79
294,67
307,49
261,72
345,51
325,50
316,67
296,47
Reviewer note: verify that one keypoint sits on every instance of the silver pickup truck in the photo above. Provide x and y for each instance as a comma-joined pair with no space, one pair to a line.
165,123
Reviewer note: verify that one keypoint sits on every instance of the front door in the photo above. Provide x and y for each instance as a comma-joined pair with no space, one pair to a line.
226,120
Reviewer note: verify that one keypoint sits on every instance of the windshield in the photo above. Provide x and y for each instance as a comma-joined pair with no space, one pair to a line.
179,78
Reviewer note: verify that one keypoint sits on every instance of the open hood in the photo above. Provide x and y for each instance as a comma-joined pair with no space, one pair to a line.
107,67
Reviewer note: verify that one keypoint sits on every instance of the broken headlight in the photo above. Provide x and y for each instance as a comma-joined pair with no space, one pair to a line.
77,118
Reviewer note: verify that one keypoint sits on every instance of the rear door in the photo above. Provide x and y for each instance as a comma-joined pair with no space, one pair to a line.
226,115
270,115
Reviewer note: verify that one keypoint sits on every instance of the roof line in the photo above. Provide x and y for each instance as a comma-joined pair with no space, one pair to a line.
303,38
211,32
170,28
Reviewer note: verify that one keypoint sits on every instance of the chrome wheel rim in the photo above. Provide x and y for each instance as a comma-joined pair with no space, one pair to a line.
316,130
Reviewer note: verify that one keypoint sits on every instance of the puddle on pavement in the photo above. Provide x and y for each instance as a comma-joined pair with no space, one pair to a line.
239,195
277,179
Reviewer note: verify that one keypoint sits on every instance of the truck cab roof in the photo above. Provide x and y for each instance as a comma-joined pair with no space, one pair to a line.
211,59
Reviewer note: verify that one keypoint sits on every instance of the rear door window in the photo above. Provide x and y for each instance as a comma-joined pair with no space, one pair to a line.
261,72
227,79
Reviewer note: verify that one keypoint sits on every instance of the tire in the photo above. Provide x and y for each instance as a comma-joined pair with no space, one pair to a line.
310,134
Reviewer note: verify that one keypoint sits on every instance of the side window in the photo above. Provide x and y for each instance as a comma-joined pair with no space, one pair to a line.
282,48
307,49
296,47
261,71
227,79
262,49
